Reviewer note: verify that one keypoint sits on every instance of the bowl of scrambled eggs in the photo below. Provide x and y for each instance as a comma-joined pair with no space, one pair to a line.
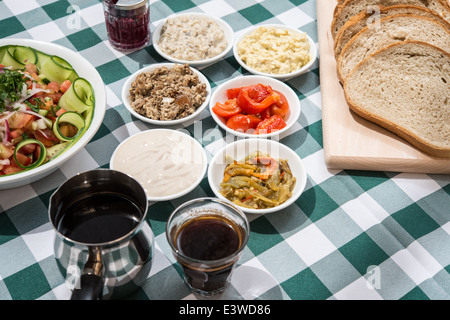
276,51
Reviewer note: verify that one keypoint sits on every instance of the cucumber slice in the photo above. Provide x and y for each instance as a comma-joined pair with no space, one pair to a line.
56,150
71,117
25,55
8,59
79,97
18,56
42,59
57,69
42,155
2,53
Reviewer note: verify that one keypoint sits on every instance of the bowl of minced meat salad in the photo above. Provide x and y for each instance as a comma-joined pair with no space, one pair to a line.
166,93
195,38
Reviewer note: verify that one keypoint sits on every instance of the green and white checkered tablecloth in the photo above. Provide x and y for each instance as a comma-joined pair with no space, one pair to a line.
351,235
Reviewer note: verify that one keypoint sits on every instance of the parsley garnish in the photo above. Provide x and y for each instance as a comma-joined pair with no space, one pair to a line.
11,83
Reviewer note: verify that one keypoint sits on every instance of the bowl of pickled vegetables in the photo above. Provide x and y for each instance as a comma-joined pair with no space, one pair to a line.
258,175
52,102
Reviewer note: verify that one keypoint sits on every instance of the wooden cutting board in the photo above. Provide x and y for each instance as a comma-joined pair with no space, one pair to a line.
351,142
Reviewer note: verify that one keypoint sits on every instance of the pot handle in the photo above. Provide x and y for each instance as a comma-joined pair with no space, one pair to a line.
91,288
90,285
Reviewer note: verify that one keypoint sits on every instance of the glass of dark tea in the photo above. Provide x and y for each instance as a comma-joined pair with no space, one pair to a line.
207,236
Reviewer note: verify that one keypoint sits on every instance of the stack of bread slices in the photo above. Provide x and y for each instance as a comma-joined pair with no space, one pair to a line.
393,59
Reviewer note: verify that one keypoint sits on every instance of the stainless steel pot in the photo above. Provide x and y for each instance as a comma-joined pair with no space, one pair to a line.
99,257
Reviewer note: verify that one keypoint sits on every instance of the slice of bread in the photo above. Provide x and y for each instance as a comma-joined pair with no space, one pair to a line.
387,31
363,19
405,88
349,8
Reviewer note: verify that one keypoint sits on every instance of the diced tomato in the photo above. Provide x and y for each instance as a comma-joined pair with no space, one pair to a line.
53,85
60,112
65,86
243,122
22,159
28,148
270,125
11,168
16,133
227,109
46,136
31,68
19,120
5,152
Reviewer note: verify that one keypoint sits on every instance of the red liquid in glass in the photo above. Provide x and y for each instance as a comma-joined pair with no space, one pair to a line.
128,30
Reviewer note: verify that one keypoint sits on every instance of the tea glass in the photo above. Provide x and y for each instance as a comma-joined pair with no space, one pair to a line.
219,231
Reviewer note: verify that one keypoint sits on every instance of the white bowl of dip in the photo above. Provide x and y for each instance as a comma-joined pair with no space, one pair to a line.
126,96
275,56
167,163
240,149
180,40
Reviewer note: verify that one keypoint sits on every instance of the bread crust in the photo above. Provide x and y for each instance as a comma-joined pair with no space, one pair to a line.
358,22
407,135
355,38
339,19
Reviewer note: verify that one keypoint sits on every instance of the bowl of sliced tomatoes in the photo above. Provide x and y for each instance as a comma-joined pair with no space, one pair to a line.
255,106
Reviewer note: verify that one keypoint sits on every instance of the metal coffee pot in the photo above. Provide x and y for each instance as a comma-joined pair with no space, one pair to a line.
98,258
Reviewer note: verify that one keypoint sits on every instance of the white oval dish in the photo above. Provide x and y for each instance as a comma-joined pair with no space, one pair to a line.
85,70
220,95
312,52
140,155
228,31
242,148
126,95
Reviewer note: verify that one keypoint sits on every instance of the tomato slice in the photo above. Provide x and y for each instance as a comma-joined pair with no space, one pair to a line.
270,125
243,122
233,92
252,106
227,109
281,106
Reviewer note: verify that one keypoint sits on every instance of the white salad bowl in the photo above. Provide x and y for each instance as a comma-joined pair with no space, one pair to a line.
228,32
238,150
220,95
85,70
305,68
126,96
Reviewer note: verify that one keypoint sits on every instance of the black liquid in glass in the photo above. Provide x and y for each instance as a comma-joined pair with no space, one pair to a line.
208,239
99,218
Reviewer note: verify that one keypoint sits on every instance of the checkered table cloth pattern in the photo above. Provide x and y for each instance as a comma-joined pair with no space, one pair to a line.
351,235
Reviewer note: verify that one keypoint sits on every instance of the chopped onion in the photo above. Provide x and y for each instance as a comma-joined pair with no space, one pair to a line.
7,136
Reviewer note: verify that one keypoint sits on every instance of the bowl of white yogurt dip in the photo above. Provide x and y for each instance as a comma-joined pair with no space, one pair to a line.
167,163
194,38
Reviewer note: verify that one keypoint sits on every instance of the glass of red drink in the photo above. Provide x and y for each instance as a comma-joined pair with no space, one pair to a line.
127,23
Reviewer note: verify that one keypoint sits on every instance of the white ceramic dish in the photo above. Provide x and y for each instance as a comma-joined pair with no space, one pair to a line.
220,95
85,70
189,154
242,148
312,52
228,31
126,95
